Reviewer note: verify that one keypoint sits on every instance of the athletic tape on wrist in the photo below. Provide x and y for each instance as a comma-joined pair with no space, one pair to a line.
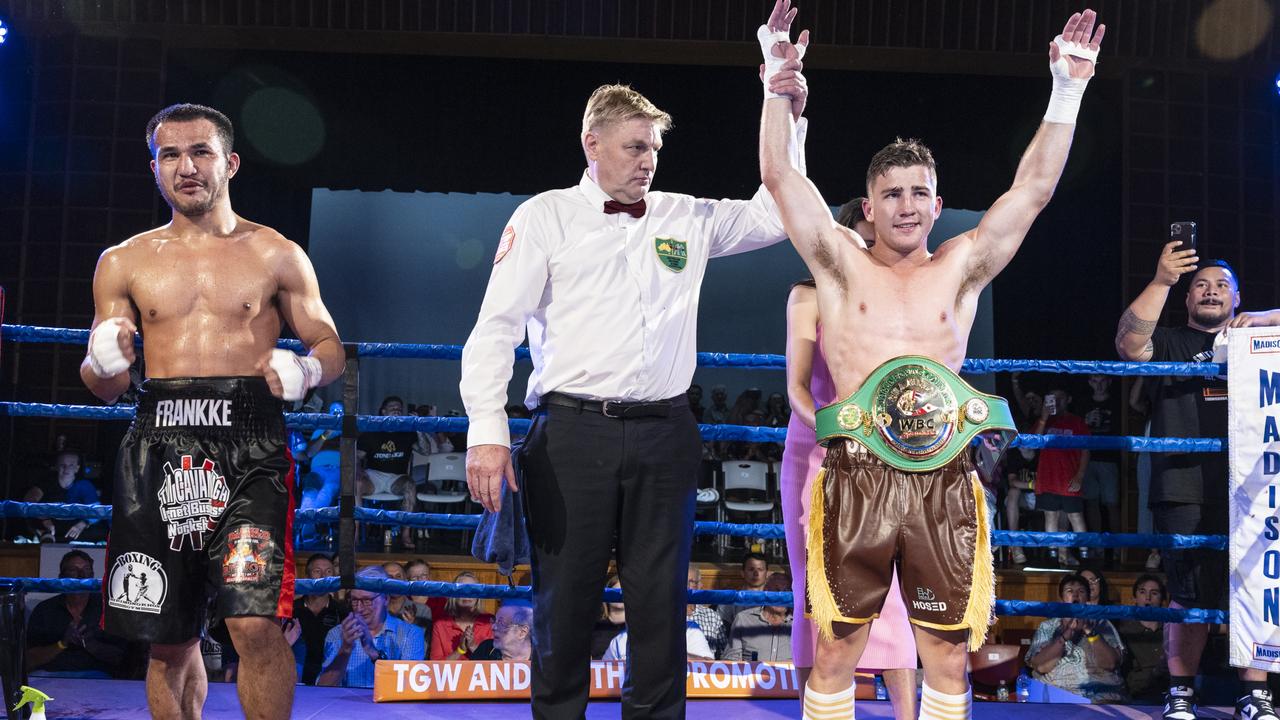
297,373
105,357
1064,103
772,65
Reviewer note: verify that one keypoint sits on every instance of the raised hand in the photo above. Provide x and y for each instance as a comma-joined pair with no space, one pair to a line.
781,17
1174,263
782,67
1080,31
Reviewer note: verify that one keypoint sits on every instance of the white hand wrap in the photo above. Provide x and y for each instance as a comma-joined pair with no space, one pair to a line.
772,65
105,357
297,373
1064,103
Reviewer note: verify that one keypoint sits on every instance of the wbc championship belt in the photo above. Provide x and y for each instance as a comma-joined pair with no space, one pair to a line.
916,415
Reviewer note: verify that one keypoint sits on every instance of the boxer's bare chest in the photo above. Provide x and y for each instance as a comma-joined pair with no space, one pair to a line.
885,313
219,283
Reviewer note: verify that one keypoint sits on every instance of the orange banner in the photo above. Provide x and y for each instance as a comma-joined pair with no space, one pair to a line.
500,680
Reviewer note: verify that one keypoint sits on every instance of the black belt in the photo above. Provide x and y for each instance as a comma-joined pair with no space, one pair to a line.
621,409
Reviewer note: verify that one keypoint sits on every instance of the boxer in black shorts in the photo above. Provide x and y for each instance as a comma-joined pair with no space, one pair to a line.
201,518
204,529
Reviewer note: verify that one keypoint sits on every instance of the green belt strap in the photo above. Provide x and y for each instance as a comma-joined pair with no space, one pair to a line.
915,414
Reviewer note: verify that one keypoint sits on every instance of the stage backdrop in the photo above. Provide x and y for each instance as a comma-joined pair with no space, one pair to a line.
412,267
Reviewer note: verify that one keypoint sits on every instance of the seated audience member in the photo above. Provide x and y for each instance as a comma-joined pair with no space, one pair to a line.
613,620
1079,656
316,616
63,635
430,443
777,412
292,629
707,618
694,395
387,457
762,633
425,607
1146,669
696,645
403,606
511,640
65,485
367,634
755,572
457,633
1099,590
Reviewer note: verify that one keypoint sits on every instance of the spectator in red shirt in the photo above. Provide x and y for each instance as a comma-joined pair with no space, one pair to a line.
1060,473
461,629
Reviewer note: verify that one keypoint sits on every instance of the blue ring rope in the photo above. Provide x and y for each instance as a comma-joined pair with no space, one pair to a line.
766,531
972,366
747,433
434,588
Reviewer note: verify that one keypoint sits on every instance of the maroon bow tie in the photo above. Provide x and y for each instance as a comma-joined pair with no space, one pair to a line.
635,209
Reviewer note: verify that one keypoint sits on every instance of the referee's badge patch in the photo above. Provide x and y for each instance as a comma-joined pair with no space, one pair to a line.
672,253
504,245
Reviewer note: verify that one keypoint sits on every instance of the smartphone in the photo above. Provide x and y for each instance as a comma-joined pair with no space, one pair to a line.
1184,233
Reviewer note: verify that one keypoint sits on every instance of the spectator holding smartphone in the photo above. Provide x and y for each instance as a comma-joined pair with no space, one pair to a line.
1060,473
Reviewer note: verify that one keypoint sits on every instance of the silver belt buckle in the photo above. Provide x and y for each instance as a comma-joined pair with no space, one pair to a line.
605,409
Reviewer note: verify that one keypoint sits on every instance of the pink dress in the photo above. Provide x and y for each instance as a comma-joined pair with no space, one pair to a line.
892,644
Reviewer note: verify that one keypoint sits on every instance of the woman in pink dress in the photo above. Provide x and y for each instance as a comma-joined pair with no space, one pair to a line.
891,647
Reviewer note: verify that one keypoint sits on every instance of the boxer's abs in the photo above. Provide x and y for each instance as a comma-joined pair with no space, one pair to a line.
857,343
206,347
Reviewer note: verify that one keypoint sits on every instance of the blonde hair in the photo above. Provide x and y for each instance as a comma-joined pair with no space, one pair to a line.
619,103
451,605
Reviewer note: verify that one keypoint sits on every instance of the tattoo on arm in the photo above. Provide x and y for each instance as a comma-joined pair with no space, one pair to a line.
1132,324
1149,349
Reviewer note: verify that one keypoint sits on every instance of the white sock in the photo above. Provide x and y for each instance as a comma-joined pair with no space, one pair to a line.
941,706
828,706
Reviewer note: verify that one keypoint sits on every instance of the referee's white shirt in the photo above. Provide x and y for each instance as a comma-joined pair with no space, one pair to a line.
607,319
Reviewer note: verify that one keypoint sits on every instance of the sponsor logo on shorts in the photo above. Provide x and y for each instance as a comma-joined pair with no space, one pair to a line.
248,555
193,413
924,594
1266,652
137,583
192,498
937,606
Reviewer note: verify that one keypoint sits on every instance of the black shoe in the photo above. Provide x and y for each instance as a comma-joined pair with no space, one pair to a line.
1180,704
1256,706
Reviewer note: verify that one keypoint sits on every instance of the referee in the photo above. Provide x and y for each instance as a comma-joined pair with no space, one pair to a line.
604,276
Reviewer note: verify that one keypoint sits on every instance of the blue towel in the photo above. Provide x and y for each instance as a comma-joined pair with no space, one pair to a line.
501,537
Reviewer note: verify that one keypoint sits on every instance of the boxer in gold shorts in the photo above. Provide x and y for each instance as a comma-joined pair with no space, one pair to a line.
887,307
899,487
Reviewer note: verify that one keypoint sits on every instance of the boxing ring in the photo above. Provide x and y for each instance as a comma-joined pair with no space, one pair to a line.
119,698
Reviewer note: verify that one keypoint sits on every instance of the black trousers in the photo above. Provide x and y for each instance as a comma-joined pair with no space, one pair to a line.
594,483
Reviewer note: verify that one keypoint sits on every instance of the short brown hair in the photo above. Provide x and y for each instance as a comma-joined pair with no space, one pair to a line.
619,103
901,153
851,213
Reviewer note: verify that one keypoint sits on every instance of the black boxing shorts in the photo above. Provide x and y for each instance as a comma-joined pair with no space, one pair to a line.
867,517
202,512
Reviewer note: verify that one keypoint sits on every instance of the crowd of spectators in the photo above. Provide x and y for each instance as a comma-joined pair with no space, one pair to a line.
1076,490
1098,660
